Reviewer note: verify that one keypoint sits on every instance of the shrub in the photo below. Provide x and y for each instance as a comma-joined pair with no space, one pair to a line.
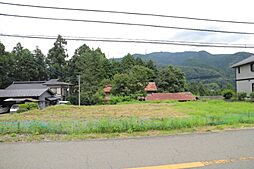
27,106
241,96
73,99
119,99
227,94
252,96
86,98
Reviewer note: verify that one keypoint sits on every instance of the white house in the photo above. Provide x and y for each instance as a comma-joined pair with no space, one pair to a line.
244,74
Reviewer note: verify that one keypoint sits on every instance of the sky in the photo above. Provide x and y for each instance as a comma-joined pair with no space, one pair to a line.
240,10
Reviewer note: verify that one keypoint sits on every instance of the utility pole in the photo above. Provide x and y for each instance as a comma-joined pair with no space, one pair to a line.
79,90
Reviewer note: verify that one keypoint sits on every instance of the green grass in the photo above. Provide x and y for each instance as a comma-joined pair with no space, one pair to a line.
112,120
215,107
106,125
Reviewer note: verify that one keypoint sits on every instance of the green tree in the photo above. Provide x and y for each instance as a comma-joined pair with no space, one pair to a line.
139,62
41,66
134,82
171,79
128,62
6,67
25,65
116,66
150,64
141,73
2,49
93,67
121,84
198,88
139,78
56,59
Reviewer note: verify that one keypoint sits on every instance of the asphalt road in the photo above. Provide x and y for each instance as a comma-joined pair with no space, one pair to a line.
135,153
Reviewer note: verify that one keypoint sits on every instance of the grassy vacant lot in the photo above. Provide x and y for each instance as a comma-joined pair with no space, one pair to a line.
68,112
146,118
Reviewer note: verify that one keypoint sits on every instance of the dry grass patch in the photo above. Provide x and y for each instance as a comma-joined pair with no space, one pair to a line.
66,112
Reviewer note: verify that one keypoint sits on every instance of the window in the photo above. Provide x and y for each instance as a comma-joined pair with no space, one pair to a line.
252,67
239,70
252,87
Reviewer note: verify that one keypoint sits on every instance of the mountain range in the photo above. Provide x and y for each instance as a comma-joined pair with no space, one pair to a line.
200,65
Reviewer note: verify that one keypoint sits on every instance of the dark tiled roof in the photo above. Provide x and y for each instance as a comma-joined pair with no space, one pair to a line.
34,84
23,92
151,87
244,62
181,96
27,85
30,82
55,82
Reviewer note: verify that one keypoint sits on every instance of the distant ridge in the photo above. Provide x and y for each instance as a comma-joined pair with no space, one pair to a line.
199,65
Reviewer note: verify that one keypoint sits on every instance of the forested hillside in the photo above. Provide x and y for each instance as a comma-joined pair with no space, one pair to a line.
199,66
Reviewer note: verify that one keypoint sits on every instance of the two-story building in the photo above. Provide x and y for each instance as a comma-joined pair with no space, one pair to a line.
44,92
244,75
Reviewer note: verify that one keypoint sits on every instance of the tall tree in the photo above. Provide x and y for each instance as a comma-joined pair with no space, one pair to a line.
133,82
6,67
171,79
93,67
56,59
150,64
41,66
25,65
140,76
128,62
122,84
116,66
2,49
139,62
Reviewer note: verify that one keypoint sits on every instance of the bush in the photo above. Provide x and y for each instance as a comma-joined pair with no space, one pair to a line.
227,94
86,98
27,106
73,99
241,96
252,96
119,99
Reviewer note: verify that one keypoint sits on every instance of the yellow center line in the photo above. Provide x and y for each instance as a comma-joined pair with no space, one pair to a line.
175,166
196,164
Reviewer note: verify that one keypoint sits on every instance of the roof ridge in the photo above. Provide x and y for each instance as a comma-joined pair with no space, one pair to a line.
27,82
245,61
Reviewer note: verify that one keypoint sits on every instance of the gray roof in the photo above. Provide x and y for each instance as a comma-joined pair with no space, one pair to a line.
35,84
55,82
26,85
244,62
23,92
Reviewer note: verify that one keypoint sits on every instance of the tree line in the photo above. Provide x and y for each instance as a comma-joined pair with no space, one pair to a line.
128,76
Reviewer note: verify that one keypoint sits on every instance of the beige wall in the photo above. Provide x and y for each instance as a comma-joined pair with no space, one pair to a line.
244,72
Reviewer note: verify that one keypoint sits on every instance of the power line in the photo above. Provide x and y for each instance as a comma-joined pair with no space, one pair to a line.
196,44
127,13
181,41
127,23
